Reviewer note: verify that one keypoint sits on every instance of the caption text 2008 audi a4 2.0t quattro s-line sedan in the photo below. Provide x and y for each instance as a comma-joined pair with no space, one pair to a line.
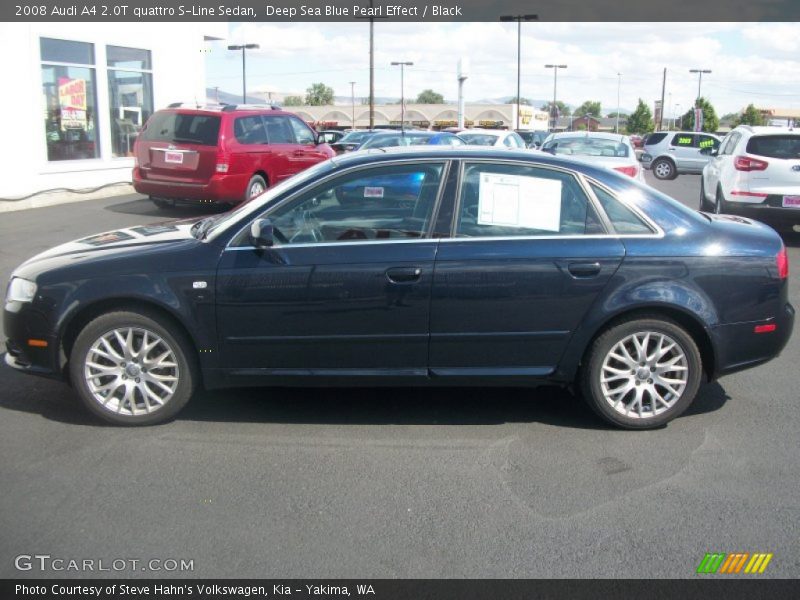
449,266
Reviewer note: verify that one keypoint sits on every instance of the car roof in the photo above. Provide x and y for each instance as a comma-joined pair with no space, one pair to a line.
768,130
600,135
487,131
237,109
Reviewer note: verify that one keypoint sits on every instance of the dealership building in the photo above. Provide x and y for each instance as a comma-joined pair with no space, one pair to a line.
81,92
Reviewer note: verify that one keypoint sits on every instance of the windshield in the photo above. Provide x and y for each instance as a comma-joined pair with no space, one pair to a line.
355,137
478,139
221,222
587,146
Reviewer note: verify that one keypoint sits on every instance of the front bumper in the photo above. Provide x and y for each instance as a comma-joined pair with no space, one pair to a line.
22,324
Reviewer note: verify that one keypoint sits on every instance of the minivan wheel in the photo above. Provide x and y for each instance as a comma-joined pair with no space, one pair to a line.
132,368
642,373
255,187
664,169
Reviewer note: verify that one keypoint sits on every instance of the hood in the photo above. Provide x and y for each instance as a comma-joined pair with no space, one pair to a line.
124,241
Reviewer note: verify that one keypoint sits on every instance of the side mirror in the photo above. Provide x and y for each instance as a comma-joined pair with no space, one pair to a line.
709,151
262,234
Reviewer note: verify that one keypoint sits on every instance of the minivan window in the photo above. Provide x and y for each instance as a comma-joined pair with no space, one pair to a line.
249,130
302,134
775,146
279,131
187,128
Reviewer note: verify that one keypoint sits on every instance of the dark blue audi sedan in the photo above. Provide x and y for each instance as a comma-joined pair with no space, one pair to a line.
496,267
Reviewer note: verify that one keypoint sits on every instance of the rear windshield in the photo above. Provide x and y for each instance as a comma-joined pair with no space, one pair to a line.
479,139
775,146
186,128
587,146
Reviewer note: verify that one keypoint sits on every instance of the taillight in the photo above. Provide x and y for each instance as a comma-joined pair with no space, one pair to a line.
745,163
631,171
782,261
222,162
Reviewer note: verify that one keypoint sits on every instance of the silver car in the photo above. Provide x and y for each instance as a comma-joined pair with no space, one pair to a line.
672,153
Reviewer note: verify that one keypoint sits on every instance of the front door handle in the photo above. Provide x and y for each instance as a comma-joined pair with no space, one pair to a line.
404,274
584,269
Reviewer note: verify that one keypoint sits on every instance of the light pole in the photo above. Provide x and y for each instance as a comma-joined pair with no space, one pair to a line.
699,81
553,108
402,65
619,83
678,111
519,19
353,100
244,48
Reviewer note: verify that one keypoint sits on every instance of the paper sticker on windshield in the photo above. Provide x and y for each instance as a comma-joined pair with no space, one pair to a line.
517,201
373,192
111,237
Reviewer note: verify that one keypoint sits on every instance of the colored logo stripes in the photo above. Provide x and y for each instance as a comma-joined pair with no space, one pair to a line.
734,563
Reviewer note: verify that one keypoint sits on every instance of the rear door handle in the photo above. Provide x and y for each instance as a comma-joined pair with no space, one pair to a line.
404,274
584,269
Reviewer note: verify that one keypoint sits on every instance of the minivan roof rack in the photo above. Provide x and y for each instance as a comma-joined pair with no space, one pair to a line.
230,107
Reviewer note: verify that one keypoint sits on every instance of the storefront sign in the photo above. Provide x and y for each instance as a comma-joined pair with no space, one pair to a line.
72,102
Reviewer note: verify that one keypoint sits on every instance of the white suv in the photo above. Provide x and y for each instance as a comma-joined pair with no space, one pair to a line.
756,173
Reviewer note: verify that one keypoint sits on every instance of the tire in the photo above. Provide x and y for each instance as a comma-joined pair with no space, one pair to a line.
161,203
705,205
664,168
116,393
719,202
635,396
255,187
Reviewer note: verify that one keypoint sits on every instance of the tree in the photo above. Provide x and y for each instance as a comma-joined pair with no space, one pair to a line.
710,119
522,101
640,120
563,109
750,116
293,101
319,94
430,97
588,108
613,115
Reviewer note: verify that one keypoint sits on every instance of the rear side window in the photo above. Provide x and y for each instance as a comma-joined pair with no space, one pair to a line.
249,130
500,200
186,128
683,140
655,138
624,220
775,146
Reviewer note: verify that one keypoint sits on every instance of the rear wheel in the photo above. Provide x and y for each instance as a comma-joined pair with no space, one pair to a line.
642,373
705,205
719,206
255,187
663,168
132,368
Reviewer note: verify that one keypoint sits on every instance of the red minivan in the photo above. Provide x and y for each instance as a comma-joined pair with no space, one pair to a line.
225,154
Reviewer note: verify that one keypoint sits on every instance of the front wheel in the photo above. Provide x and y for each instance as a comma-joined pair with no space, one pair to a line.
642,373
132,368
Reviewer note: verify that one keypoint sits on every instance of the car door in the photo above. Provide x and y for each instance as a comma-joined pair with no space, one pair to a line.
284,158
684,151
345,290
528,257
306,153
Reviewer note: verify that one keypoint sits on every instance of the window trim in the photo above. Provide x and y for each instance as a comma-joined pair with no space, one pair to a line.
655,230
427,235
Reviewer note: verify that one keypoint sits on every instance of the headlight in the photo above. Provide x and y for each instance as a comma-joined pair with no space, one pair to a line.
20,290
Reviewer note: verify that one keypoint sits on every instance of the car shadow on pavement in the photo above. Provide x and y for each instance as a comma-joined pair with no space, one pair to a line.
348,406
144,206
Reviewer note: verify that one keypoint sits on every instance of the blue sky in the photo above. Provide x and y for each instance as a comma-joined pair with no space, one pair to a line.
750,62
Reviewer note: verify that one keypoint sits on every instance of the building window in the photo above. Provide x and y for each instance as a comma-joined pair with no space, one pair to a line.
130,93
68,86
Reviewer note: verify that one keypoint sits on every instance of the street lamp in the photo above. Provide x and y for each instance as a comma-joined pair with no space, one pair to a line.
519,19
619,83
699,80
402,65
353,100
243,48
553,108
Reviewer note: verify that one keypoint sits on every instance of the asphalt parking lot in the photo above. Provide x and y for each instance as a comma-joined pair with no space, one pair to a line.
394,482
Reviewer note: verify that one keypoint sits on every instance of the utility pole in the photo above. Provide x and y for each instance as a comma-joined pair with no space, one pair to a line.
244,48
402,65
519,19
619,83
663,88
553,108
463,70
699,82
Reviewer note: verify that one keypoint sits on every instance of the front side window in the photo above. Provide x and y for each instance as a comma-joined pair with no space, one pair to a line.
683,140
729,143
383,203
503,200
130,93
302,134
70,96
706,141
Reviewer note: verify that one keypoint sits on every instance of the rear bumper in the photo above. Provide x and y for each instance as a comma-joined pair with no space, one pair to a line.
220,188
739,347
769,211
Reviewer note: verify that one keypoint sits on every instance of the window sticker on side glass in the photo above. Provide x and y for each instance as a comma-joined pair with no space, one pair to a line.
373,192
517,201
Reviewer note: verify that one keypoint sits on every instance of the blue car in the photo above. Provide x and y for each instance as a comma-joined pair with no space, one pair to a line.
457,266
